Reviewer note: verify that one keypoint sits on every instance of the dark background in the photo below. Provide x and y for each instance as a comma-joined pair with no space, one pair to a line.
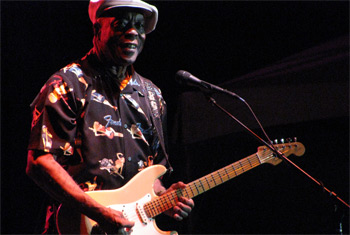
217,41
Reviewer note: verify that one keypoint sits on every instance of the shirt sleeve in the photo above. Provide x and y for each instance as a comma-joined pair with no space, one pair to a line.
54,121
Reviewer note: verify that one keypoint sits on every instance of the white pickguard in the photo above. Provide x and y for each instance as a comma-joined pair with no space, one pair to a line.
134,212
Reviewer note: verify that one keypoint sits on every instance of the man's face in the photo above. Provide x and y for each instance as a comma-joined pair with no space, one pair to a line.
121,38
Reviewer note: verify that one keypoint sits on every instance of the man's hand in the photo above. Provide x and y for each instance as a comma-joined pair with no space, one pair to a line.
183,207
113,222
51,176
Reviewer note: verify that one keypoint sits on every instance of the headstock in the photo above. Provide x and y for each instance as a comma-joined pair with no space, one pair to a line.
266,155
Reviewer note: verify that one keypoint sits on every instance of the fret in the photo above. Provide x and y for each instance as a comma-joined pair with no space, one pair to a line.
237,169
246,164
178,193
191,189
187,194
194,183
207,182
153,210
199,180
240,163
157,206
220,177
213,179
168,203
165,203
148,211
250,163
145,208
171,200
233,167
210,181
228,175
162,205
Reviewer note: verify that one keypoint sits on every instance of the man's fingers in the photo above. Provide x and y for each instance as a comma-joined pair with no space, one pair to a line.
127,223
188,203
177,217
181,211
184,205
178,185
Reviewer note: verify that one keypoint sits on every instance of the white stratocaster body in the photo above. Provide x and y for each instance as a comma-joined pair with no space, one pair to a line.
129,199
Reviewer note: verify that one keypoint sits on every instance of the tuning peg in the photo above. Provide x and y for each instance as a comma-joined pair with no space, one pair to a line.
295,139
289,140
276,141
282,141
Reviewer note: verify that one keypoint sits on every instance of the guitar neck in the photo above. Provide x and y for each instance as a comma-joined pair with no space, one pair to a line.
201,185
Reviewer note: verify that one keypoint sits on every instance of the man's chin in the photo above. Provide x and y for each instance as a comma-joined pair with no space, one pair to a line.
127,60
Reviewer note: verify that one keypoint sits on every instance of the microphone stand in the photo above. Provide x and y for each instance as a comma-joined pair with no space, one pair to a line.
270,146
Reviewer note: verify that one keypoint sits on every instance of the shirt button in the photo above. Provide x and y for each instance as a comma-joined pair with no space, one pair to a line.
125,126
129,159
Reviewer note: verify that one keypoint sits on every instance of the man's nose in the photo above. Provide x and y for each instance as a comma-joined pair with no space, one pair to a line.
131,33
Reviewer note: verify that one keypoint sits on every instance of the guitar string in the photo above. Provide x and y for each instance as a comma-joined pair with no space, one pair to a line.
244,163
164,202
215,176
170,202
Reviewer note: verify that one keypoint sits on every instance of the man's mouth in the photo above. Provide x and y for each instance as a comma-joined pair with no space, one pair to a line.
128,49
129,46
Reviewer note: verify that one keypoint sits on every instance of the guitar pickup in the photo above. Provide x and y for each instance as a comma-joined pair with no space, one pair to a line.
141,213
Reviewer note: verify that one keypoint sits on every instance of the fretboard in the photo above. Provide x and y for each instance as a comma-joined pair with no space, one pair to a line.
201,185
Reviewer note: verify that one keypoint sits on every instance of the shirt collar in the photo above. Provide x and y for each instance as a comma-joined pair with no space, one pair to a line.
134,84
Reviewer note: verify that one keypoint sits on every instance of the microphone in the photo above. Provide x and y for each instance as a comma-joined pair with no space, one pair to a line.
184,77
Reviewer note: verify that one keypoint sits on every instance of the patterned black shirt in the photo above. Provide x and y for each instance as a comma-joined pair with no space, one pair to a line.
87,119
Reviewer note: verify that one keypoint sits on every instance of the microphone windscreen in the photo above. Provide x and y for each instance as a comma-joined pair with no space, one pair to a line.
181,76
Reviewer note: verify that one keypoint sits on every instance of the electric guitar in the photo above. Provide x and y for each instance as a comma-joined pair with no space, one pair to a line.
140,204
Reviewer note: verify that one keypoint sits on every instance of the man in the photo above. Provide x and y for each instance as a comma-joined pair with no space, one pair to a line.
97,123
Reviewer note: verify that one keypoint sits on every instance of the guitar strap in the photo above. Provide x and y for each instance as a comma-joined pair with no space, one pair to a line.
153,105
